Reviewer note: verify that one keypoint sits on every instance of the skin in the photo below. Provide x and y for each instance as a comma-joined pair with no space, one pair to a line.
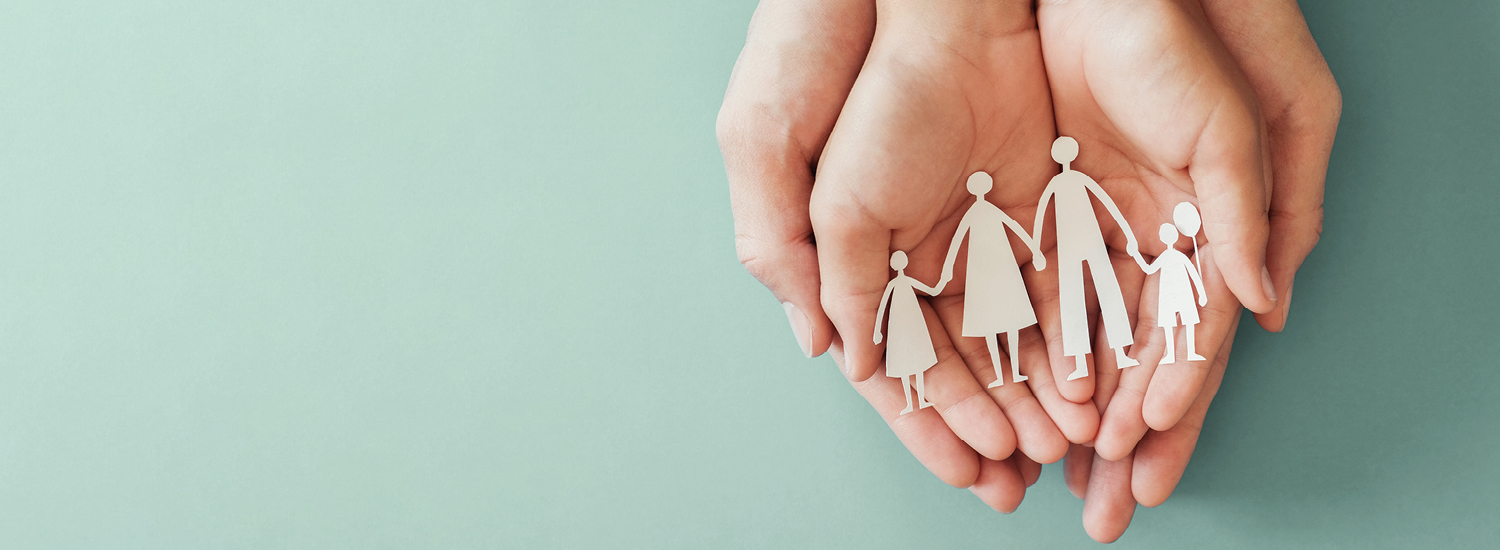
1301,104
1227,104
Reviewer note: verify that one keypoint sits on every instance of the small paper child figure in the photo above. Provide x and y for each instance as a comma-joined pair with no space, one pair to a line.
909,352
995,298
1175,297
1080,240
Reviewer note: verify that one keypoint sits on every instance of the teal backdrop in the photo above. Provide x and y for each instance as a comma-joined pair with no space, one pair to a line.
397,274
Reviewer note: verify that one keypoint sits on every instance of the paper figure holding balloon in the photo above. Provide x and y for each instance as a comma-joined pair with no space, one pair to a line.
908,353
1179,277
1079,240
995,299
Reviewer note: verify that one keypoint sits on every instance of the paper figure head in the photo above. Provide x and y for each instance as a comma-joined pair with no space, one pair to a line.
980,183
1064,150
1168,234
898,260
1186,218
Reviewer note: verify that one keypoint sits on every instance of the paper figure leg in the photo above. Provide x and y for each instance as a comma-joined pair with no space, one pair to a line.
993,341
1171,356
1192,350
1112,310
1015,365
906,390
922,392
1080,368
1075,318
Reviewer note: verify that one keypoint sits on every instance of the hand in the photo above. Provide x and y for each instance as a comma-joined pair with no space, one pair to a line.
1148,475
1271,43
1039,260
1156,145
1131,247
770,142
1301,103
799,61
944,93
878,338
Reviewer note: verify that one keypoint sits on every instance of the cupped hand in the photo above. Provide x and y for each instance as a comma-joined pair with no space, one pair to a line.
789,86
946,90
1171,117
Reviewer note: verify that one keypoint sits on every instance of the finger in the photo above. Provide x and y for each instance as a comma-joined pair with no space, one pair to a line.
1036,435
1078,422
1045,294
1109,505
962,402
1120,423
922,431
1176,386
1077,468
788,85
1030,469
1000,484
1271,42
1162,457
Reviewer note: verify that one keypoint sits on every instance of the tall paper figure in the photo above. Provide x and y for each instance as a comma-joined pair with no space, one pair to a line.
995,298
909,352
1178,279
1079,240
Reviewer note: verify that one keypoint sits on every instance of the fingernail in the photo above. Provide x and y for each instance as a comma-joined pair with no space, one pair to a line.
801,328
1265,281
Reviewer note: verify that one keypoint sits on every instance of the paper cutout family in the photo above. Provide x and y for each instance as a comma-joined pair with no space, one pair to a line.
995,296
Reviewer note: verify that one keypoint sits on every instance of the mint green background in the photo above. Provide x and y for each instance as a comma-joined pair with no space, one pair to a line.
388,274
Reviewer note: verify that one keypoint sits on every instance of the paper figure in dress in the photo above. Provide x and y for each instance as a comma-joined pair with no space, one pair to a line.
995,298
1079,240
908,353
1178,279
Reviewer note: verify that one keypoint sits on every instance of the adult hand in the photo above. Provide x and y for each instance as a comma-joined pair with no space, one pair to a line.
948,89
1146,475
1163,115
799,62
770,142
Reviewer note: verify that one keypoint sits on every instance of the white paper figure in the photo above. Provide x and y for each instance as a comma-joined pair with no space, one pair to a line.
1079,240
995,298
909,352
1175,297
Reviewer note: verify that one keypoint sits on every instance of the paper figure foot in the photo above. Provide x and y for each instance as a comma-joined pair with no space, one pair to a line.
1082,369
1196,357
1124,360
997,383
908,407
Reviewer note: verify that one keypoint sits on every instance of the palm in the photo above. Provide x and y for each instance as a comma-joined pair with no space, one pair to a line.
919,120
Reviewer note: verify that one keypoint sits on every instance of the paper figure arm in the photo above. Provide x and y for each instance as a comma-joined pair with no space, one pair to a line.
1041,215
1109,204
880,313
924,288
1038,260
958,238
1150,268
1197,281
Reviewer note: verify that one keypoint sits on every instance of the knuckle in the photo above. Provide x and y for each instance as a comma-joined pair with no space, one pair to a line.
754,258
